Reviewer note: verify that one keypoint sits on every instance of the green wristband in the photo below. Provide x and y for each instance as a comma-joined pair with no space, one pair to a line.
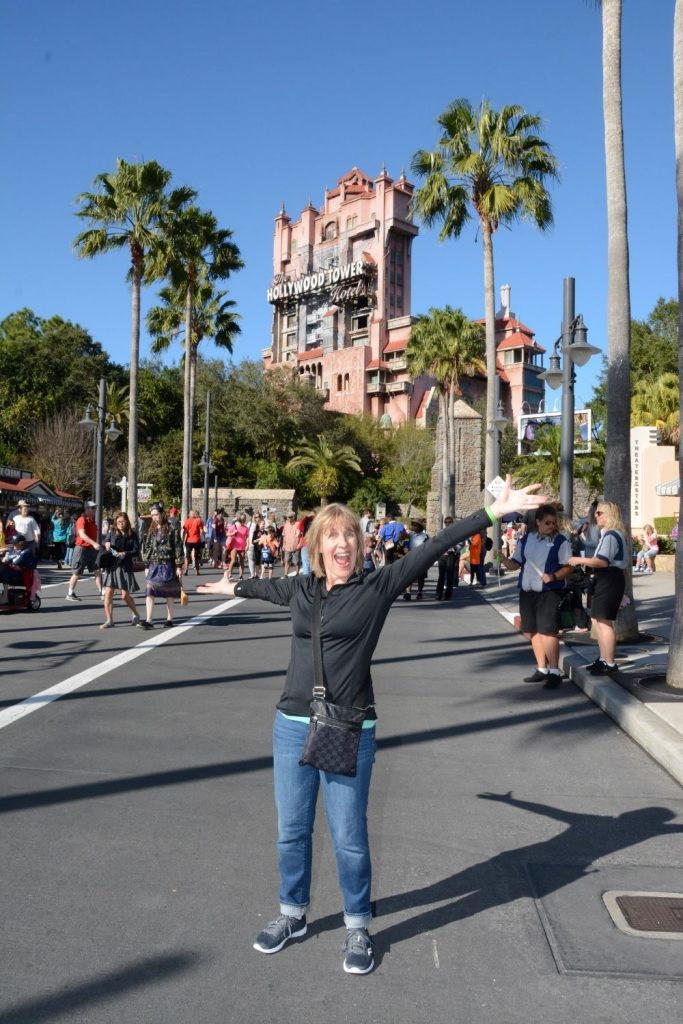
489,513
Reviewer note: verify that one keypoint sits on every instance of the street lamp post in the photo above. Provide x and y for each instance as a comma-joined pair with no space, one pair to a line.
574,350
206,463
499,424
98,424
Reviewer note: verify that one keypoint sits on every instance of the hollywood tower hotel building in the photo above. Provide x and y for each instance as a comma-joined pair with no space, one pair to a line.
341,297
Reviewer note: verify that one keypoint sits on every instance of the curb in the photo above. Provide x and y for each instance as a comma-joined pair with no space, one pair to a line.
650,731
661,741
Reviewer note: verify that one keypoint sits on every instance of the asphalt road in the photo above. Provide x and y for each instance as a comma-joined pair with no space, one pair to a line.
138,830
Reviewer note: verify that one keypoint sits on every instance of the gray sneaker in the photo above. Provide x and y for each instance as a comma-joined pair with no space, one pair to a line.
358,949
278,933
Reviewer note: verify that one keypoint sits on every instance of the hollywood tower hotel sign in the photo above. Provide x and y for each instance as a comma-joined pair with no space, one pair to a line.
341,297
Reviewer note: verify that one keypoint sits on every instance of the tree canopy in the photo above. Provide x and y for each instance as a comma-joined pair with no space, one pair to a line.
46,365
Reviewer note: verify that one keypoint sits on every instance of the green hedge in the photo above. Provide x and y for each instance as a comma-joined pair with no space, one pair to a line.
664,525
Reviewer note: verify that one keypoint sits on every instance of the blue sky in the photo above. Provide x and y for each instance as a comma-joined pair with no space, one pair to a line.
256,104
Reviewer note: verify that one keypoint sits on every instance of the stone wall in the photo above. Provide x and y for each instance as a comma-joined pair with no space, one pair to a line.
468,493
238,499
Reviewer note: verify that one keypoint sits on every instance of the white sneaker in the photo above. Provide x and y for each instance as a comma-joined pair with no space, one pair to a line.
72,597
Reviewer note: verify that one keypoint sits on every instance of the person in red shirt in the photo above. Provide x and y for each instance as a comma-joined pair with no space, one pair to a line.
85,550
193,538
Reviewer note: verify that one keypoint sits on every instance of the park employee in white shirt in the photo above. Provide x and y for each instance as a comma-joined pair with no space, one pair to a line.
543,558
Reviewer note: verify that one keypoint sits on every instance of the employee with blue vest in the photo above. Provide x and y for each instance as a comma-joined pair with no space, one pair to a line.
542,556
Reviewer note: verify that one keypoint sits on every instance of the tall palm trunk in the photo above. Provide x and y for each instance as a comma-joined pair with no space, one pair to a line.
490,323
451,449
674,672
187,414
133,391
443,427
193,389
618,460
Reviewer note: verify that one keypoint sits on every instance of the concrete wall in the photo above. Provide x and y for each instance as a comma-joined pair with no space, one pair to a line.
468,494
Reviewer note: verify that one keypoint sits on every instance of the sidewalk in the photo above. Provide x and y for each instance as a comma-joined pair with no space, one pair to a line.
648,713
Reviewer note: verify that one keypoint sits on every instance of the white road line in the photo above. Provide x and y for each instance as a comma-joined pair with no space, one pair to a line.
435,954
40,700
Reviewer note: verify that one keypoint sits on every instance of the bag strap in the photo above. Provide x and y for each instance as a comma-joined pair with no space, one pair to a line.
318,680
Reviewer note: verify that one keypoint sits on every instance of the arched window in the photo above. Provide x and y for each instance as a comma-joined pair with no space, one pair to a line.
346,382
330,231
339,382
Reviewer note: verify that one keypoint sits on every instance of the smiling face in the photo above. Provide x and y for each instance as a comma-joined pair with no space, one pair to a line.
339,550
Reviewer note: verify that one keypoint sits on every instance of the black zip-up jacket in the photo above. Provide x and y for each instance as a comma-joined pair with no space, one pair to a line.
352,617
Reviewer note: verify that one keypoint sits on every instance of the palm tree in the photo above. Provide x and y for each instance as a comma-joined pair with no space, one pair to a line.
495,162
327,465
544,463
118,403
125,212
618,465
657,403
446,345
674,672
196,250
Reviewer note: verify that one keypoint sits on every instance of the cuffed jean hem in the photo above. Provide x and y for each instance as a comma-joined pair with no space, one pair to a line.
292,911
357,920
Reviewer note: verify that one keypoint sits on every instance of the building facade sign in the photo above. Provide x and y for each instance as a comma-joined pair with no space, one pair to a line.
333,278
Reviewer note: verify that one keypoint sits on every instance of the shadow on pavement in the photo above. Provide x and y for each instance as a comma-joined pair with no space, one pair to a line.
502,879
222,769
64,1003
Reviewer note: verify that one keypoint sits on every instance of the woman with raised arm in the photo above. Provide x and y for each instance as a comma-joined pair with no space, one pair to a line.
353,608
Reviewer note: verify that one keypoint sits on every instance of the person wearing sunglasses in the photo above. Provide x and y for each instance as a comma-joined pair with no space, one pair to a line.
608,564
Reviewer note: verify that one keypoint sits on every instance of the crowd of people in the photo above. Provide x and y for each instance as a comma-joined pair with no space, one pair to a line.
260,544
328,574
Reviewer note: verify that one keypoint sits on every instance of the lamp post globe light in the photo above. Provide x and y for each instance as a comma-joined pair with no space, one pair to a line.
570,350
98,423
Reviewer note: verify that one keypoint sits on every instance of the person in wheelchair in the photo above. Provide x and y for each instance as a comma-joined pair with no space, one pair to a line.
17,559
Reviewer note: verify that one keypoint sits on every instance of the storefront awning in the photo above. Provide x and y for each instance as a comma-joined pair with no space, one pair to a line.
671,490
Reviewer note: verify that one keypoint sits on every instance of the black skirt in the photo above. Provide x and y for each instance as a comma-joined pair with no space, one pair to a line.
610,584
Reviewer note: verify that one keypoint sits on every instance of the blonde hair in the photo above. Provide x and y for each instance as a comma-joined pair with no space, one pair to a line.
332,515
612,516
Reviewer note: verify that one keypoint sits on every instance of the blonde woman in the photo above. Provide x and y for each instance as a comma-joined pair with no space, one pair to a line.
354,607
608,563
649,548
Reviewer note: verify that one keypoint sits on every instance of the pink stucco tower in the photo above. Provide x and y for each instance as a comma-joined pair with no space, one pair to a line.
341,296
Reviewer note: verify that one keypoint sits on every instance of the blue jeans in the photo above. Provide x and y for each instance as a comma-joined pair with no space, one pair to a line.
305,563
346,802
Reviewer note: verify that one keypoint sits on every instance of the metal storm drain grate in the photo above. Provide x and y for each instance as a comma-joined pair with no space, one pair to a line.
654,915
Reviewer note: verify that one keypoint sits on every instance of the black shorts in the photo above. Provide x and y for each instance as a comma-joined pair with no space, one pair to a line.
609,590
538,611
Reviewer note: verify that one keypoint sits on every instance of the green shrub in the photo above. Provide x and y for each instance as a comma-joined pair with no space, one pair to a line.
664,525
